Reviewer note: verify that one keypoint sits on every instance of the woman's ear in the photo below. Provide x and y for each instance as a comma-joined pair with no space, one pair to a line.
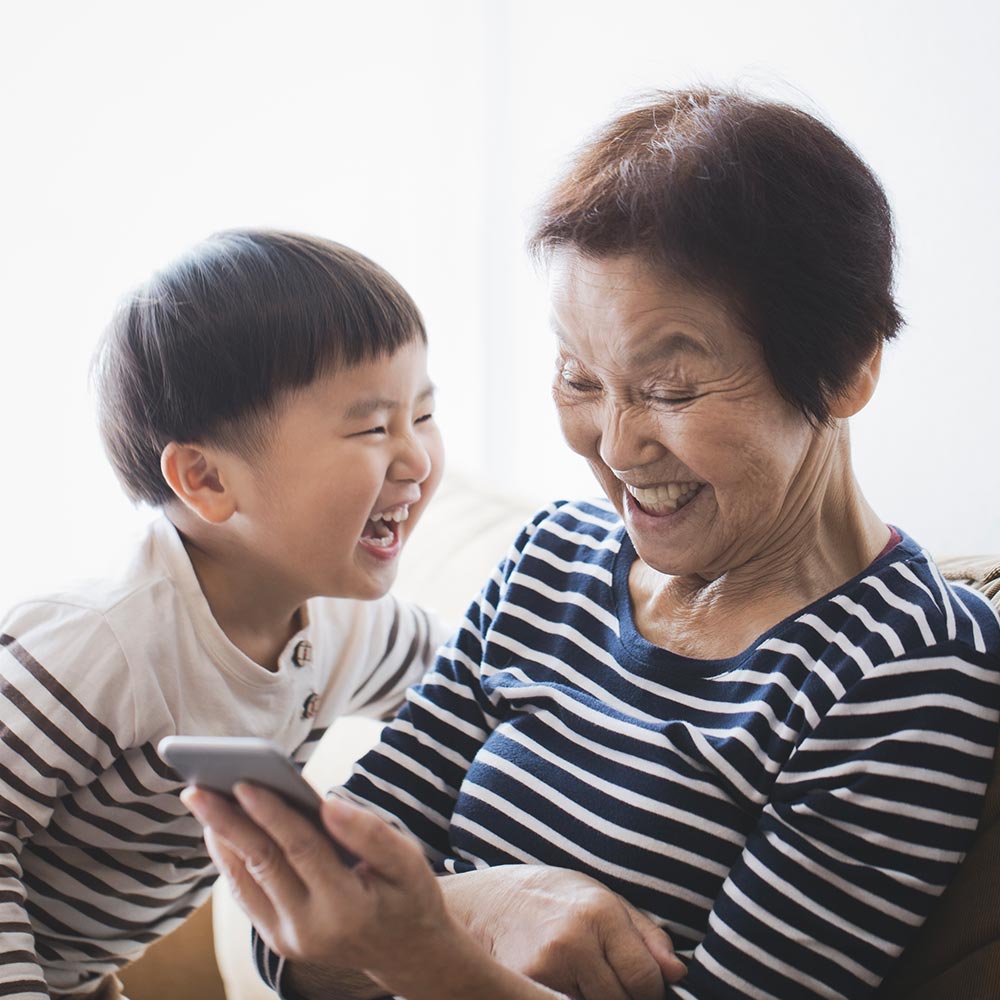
855,397
199,480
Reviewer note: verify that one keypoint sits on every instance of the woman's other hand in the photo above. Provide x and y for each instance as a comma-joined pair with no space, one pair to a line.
565,930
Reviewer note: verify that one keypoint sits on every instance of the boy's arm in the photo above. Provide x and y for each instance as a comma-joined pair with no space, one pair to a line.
19,969
50,745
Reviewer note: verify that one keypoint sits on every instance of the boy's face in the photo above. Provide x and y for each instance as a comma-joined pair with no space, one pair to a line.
352,462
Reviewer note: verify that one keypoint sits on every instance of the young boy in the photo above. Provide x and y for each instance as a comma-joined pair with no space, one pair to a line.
269,392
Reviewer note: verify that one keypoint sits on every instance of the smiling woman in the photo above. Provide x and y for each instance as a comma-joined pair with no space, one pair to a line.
730,695
714,473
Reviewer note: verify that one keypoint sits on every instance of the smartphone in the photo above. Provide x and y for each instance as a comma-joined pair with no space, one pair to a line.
220,762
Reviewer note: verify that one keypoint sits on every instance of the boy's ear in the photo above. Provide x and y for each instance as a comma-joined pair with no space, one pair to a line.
857,394
198,480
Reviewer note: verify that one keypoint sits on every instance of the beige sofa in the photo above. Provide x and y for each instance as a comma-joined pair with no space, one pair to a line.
466,530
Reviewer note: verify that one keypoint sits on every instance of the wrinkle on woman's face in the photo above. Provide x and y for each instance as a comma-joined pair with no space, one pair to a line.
662,392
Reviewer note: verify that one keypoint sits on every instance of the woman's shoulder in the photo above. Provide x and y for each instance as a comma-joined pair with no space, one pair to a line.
590,523
904,599
566,533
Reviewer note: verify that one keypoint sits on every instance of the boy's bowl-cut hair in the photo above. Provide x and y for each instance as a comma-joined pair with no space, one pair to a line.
204,350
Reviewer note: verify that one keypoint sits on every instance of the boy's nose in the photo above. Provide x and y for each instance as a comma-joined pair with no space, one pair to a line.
413,462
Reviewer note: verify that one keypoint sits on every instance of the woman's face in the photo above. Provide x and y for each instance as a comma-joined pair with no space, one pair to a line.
675,410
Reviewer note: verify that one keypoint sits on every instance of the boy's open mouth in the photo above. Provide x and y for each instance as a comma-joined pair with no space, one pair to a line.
382,529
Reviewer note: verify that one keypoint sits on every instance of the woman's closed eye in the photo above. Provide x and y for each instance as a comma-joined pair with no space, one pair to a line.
673,400
570,379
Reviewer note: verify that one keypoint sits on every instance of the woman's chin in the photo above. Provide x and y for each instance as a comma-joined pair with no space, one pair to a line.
674,542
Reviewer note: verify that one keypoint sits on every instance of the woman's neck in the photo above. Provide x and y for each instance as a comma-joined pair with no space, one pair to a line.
827,535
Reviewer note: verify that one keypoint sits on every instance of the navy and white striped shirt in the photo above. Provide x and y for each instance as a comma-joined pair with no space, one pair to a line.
789,814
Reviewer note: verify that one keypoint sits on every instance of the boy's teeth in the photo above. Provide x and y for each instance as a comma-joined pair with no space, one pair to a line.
380,532
400,514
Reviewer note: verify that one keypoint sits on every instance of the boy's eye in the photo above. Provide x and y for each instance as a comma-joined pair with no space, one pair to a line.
374,430
424,418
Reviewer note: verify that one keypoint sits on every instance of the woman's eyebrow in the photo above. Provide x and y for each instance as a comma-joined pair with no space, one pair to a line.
669,346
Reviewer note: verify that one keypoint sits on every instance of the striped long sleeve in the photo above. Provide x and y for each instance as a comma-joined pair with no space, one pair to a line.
98,855
789,814
53,746
862,830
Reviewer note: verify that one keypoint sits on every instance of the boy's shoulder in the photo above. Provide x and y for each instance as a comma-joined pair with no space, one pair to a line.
92,620
142,563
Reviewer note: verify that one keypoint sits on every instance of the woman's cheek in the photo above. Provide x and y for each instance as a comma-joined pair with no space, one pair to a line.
578,427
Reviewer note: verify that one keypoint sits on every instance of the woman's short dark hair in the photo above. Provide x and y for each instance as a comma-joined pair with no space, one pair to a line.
756,201
206,349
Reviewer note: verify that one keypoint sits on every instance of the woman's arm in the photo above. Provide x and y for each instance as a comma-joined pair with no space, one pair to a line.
505,927
865,826
557,926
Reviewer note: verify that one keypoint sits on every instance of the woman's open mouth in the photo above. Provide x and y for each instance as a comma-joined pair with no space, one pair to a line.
664,499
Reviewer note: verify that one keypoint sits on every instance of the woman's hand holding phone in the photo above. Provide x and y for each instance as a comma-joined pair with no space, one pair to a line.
384,915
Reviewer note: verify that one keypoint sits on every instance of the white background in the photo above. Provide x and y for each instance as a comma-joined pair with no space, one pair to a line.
422,133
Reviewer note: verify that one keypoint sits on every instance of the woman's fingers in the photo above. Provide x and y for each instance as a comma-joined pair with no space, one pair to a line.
637,973
260,855
304,849
396,857
659,945
247,893
599,982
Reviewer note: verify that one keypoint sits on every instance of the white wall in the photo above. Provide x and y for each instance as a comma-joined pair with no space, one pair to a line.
422,133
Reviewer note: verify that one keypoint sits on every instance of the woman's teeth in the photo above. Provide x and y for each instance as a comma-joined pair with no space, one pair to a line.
664,499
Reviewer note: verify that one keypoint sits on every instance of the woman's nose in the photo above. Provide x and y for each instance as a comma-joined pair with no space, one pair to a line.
628,438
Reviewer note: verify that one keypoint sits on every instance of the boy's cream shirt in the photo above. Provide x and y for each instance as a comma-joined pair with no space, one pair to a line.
94,677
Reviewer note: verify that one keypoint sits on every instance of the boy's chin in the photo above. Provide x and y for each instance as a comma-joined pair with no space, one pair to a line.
373,585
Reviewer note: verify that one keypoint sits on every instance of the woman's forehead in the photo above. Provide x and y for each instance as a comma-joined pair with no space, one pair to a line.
641,314
631,288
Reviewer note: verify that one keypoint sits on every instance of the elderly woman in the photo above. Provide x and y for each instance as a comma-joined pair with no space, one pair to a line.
730,694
